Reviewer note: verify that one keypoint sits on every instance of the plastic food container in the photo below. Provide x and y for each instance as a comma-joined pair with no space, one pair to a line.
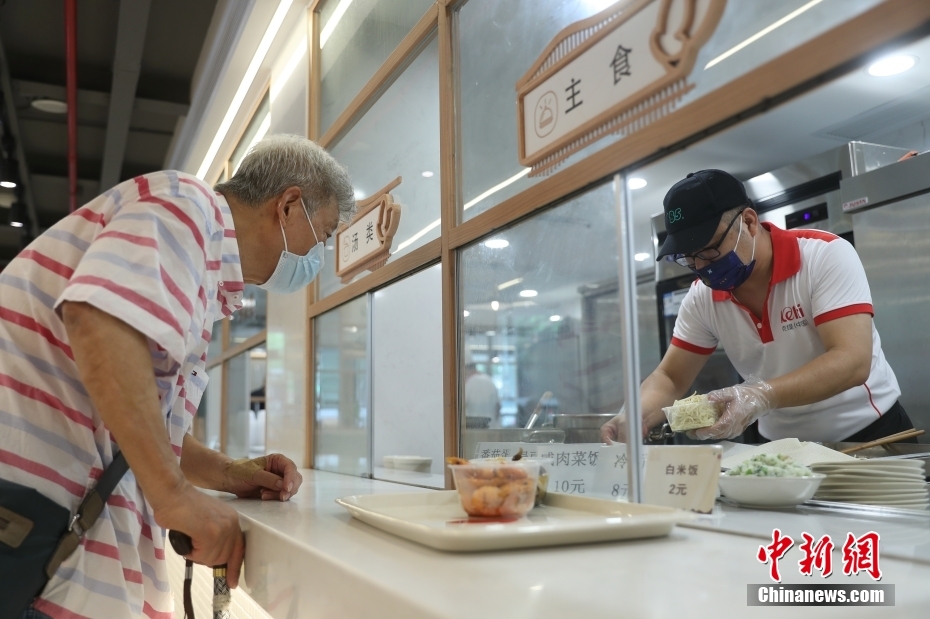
683,418
496,488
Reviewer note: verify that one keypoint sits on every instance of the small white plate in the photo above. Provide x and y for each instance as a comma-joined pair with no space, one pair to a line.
872,485
436,519
872,475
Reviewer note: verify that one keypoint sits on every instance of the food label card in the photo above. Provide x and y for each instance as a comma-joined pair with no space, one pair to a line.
683,476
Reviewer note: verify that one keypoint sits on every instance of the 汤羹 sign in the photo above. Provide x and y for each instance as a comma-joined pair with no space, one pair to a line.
365,243
614,72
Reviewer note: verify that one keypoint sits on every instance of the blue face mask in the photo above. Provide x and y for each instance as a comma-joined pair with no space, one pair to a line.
295,272
728,272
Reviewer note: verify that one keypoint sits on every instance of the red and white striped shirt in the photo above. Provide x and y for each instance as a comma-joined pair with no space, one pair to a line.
158,252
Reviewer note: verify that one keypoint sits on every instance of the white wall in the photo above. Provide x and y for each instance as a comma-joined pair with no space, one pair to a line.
407,369
288,323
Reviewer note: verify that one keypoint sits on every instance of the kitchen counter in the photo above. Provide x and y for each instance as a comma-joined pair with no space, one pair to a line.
309,558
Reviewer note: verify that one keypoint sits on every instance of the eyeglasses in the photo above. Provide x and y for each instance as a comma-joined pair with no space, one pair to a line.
708,254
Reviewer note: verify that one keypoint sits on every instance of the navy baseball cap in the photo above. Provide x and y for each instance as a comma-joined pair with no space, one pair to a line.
693,207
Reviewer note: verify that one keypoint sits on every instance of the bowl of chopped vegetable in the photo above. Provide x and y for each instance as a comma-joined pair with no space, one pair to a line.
770,480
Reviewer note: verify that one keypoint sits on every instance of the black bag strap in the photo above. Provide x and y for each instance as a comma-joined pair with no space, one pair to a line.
88,512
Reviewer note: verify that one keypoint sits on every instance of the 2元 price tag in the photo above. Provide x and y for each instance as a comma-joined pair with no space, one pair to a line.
683,476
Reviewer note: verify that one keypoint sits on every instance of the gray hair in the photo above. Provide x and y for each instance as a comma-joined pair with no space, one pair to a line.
277,162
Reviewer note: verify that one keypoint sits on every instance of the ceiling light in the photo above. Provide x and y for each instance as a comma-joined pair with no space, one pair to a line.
892,65
510,283
528,293
427,174
333,21
636,183
495,305
9,176
497,188
466,313
359,194
51,106
641,256
419,235
555,318
278,84
497,243
495,359
244,86
781,22
8,184
17,214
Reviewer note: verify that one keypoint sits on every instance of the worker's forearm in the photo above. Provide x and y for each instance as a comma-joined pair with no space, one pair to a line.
201,465
115,366
831,373
657,392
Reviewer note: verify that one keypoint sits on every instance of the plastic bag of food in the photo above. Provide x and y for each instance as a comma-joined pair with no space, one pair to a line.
691,413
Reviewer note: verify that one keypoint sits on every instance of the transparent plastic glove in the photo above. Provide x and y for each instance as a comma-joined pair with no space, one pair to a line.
741,405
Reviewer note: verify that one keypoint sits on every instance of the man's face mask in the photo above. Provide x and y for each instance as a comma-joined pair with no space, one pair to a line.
728,272
296,272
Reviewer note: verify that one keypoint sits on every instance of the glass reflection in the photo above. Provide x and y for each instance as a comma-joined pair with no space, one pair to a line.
356,37
341,417
245,404
252,318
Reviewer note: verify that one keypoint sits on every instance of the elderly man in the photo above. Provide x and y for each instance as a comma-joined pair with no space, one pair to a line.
104,326
793,311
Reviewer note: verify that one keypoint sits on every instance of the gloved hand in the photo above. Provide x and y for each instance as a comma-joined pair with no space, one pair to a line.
741,405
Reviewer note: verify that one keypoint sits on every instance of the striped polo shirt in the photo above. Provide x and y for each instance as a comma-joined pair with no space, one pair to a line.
158,252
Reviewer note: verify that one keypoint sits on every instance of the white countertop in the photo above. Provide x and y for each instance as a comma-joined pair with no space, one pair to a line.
309,558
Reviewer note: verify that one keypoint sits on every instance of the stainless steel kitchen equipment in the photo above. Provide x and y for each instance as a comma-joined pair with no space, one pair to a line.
806,194
581,428
890,209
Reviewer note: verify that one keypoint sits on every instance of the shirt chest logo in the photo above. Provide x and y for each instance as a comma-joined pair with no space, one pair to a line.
793,317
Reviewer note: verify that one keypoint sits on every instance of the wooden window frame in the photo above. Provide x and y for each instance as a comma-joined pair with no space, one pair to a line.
838,51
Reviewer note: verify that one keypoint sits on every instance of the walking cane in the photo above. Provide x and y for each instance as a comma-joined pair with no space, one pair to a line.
182,544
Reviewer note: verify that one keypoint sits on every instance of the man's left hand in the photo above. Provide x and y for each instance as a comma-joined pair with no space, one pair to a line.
270,477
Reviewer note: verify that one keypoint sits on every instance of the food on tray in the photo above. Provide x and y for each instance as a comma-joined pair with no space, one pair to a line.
770,465
499,487
692,412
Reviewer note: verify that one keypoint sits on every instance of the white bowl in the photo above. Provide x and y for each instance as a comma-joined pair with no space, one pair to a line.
409,463
755,491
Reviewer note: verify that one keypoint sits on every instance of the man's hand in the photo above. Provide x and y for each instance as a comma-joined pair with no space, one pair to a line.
741,405
274,477
212,525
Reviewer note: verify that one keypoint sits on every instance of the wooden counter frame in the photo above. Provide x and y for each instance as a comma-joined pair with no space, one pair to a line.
844,48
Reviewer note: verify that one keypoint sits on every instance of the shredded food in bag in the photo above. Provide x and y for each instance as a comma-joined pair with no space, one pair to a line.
692,412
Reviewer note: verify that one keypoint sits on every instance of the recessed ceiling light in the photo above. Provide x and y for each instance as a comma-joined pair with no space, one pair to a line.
8,184
508,284
528,293
495,359
641,256
427,174
51,106
495,305
637,183
466,313
16,224
497,243
892,65
359,194
555,318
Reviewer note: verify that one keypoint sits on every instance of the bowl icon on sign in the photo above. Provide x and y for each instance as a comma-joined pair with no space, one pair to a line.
547,110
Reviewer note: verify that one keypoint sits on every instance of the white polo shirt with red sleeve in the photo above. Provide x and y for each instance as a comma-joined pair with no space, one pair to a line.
816,277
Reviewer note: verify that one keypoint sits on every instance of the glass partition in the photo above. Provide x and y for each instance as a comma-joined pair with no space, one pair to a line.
407,406
215,347
540,328
207,422
341,416
398,136
252,318
356,37
245,404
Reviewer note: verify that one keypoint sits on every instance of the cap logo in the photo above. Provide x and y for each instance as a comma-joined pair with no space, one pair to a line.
675,215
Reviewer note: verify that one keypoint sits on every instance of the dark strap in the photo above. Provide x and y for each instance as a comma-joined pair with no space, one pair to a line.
88,512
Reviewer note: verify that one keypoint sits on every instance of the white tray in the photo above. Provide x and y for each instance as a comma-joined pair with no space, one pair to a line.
436,519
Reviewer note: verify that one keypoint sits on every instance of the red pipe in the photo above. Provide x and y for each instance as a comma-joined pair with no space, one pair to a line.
71,69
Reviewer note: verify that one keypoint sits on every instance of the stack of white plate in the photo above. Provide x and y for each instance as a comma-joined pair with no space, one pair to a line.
891,483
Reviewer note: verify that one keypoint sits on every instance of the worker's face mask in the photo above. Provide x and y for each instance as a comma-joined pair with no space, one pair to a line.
728,271
295,272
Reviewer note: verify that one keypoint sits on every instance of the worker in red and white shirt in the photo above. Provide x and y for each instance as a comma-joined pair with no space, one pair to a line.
793,311
105,321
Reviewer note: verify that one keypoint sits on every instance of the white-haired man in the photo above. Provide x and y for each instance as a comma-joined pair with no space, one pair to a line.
104,327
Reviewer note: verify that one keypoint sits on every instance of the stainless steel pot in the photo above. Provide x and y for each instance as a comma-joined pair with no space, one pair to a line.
581,427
